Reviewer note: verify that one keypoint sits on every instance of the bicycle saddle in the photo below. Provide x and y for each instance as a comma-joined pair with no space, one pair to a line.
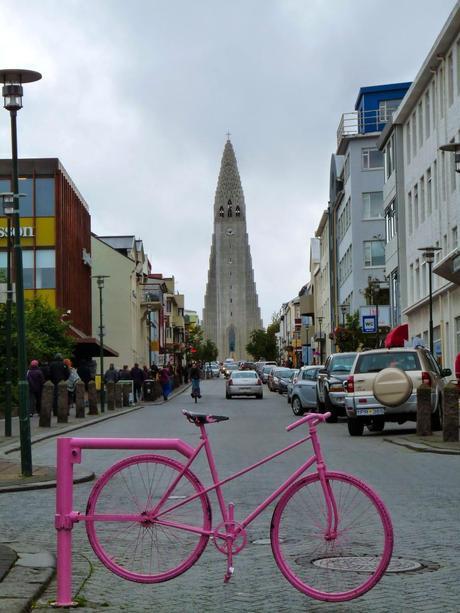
200,418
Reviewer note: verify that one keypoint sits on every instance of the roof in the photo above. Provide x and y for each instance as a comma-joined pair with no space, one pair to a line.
118,242
373,89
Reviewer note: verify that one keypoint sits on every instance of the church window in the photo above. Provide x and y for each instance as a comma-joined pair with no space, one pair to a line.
221,211
237,211
231,338
229,210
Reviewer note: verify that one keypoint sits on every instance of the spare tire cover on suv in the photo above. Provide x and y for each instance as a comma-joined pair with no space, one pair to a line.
392,387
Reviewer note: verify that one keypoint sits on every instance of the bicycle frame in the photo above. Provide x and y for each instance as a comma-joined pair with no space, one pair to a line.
69,451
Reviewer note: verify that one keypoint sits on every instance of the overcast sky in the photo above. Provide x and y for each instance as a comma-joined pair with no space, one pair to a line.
137,96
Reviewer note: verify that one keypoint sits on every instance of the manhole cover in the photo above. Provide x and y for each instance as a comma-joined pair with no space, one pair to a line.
365,564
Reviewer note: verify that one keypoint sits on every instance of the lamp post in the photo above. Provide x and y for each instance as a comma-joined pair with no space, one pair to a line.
428,255
149,323
344,307
373,285
100,279
12,101
320,321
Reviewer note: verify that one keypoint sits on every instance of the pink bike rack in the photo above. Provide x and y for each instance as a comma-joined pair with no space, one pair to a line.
68,454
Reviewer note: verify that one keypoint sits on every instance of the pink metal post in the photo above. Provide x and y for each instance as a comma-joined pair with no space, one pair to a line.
64,523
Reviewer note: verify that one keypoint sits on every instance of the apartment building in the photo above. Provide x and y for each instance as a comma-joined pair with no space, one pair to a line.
422,197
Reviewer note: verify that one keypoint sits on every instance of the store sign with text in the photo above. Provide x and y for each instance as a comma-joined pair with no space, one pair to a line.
24,231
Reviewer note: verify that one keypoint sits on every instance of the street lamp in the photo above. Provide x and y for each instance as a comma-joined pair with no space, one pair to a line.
455,149
344,308
100,284
428,255
149,323
12,101
320,321
375,284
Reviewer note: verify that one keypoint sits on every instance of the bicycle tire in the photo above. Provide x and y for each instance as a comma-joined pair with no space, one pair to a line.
365,537
133,486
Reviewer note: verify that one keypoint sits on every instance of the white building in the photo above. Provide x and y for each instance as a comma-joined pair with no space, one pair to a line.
422,197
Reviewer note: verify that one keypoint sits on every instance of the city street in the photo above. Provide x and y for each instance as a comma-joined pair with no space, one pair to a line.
421,491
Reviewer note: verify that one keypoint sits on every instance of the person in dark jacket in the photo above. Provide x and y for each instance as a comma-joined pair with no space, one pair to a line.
195,375
84,372
58,371
137,375
165,382
36,381
111,375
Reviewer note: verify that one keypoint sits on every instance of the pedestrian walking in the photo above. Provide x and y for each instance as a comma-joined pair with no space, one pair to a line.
58,372
36,381
124,374
84,372
165,382
111,374
71,382
195,375
137,375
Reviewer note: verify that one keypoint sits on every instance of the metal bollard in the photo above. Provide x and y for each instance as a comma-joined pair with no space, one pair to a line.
79,399
63,403
424,410
119,395
47,405
450,414
127,387
92,398
110,391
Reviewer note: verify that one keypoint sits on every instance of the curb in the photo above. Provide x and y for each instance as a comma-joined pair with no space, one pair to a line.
32,571
421,447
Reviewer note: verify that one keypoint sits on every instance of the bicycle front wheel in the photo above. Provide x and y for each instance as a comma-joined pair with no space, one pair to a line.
126,540
338,566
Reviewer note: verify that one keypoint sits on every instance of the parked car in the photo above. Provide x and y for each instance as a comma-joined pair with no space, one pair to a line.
275,375
265,372
247,366
304,391
382,386
292,381
213,368
284,381
244,383
331,393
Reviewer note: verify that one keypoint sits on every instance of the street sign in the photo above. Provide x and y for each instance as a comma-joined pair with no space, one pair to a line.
369,324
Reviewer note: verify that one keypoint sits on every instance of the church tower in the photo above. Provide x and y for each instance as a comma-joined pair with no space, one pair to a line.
231,310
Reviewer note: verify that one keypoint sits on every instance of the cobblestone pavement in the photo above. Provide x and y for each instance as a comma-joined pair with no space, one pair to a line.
421,491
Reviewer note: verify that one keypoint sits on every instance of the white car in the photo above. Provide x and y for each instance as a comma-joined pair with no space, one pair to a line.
244,383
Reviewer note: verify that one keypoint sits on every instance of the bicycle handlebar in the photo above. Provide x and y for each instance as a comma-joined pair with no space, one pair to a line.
309,417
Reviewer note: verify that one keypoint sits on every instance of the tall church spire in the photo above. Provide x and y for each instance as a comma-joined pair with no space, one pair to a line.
231,310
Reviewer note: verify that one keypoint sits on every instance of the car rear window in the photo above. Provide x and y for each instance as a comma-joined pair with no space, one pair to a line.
244,374
285,372
375,362
342,363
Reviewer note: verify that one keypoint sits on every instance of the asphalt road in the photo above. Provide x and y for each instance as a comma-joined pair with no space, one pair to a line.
421,491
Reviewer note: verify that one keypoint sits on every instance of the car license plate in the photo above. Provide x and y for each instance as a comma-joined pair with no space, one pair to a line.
370,411
245,389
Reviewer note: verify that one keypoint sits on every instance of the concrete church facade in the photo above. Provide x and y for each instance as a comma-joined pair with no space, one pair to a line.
231,311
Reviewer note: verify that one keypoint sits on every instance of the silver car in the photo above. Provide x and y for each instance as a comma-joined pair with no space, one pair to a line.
304,393
244,383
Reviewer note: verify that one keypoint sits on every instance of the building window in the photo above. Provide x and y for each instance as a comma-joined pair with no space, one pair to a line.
346,169
408,143
415,203
344,220
386,109
28,268
372,205
454,237
374,253
221,212
3,266
458,67
372,158
411,283
26,187
420,123
409,213
441,92
44,197
237,211
45,276
345,265
388,158
417,280
422,199
414,134
427,113
452,173
457,327
168,306
428,192
390,221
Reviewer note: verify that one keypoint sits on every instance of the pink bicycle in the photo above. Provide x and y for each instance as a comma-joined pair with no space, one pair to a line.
148,519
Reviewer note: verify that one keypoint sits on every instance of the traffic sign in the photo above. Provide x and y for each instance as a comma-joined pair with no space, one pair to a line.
369,324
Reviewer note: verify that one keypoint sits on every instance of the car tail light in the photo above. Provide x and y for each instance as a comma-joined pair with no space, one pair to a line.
350,384
426,379
230,381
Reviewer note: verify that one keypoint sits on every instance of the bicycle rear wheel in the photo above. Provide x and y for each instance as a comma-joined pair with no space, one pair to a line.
145,550
331,569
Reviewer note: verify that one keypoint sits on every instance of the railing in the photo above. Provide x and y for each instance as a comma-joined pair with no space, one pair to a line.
362,122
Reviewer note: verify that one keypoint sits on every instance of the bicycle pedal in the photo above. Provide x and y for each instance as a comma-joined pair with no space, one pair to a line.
228,574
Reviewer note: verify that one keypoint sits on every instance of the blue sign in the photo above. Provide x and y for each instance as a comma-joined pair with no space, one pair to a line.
369,324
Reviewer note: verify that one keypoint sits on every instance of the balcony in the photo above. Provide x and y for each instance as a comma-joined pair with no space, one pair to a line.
362,122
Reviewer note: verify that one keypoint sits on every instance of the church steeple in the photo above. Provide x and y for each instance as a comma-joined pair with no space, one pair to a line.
229,198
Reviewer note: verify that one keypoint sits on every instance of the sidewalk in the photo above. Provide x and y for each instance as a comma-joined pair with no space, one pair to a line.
426,444
25,574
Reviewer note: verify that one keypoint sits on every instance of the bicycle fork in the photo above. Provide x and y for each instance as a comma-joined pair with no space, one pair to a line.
230,538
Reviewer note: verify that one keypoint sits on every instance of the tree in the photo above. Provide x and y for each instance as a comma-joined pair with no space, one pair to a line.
208,351
262,344
350,337
46,336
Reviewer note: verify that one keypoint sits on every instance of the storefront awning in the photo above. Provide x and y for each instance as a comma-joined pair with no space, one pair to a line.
397,336
89,346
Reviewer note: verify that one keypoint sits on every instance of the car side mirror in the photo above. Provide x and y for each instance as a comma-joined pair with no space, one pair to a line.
446,372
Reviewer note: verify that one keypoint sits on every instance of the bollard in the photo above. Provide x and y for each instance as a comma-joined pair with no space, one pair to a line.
126,392
450,414
92,398
110,392
47,405
79,399
119,395
63,403
424,410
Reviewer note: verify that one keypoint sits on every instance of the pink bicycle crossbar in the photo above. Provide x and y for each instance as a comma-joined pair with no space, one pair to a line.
68,454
